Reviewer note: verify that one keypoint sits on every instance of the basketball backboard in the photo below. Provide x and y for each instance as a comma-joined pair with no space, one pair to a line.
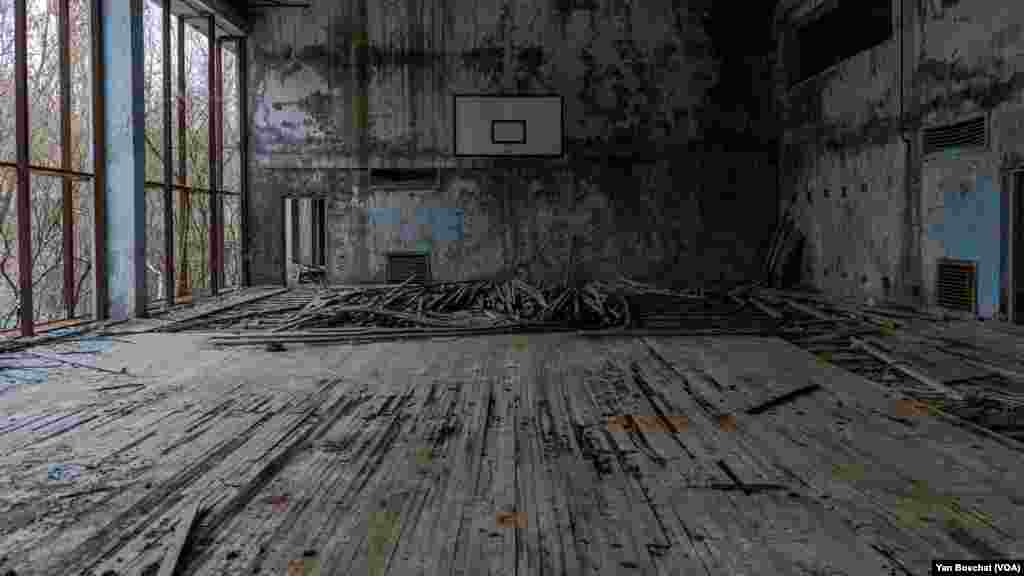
526,126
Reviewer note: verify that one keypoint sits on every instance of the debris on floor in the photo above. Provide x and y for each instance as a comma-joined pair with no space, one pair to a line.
407,310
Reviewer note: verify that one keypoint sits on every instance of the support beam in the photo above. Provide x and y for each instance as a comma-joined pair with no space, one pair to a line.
184,287
231,21
101,293
264,214
213,129
67,184
242,71
168,157
125,132
27,317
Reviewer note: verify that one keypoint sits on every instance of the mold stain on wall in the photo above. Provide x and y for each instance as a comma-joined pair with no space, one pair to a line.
964,61
635,190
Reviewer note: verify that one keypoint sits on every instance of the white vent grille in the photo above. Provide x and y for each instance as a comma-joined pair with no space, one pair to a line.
971,133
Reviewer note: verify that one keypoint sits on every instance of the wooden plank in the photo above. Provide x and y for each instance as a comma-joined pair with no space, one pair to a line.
907,369
570,479
499,548
431,427
728,517
432,456
607,385
667,476
217,307
176,550
539,549
608,542
460,519
862,472
362,540
480,520
780,514
886,451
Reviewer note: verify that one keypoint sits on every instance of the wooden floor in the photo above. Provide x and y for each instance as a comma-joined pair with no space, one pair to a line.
541,454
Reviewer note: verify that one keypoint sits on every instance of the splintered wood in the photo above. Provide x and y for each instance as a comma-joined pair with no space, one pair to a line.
346,313
539,454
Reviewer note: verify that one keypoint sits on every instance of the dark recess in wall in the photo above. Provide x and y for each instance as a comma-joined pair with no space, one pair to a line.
852,27
742,112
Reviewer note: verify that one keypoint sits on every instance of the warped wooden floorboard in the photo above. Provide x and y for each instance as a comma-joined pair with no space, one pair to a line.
539,454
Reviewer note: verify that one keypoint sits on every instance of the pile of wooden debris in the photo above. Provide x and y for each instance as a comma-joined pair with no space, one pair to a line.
475,304
488,306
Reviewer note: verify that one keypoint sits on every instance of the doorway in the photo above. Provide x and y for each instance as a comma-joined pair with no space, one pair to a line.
305,239
1017,248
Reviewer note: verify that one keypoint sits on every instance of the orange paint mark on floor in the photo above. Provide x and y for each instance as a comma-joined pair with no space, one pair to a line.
511,520
647,423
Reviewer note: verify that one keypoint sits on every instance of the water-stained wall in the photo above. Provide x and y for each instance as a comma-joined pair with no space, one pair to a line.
842,128
352,84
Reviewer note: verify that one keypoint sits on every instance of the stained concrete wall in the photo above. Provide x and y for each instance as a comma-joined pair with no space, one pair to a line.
344,85
637,222
963,221
843,128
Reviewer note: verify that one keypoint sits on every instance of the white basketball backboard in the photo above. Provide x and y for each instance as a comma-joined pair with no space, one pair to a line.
509,125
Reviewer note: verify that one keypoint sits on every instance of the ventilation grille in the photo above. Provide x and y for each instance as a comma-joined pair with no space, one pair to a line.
401,265
956,285
967,134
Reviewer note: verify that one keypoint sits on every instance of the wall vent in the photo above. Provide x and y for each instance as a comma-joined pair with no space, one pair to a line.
401,265
956,285
971,133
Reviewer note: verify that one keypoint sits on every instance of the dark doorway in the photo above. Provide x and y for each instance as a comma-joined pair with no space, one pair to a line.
1017,247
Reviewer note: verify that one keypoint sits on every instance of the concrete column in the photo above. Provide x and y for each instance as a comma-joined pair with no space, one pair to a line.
266,229
125,169
264,251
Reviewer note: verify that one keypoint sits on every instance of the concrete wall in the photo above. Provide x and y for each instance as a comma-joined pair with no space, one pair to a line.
633,222
348,84
842,128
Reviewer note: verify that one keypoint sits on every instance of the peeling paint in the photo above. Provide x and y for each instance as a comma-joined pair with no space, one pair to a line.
636,78
962,66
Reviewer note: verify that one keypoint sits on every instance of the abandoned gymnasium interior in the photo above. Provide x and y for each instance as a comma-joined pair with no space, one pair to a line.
511,287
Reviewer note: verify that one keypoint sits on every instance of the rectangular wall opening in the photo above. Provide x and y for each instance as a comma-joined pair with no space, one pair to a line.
1017,249
305,239
402,265
845,30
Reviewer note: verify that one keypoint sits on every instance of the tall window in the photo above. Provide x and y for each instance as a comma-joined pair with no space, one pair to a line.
57,219
48,271
204,125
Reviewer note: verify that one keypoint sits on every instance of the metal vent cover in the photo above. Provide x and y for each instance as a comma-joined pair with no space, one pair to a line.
956,285
971,133
401,265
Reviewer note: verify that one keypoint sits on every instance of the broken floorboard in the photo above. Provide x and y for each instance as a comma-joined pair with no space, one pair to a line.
517,454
